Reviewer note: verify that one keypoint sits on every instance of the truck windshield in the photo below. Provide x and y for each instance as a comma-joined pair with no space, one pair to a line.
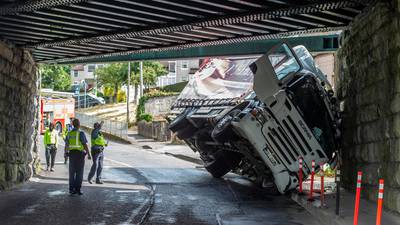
283,61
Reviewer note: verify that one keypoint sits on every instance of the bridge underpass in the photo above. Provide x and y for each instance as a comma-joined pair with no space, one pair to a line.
96,31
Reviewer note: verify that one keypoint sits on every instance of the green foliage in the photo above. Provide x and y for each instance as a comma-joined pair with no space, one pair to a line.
151,70
56,77
99,94
140,108
146,117
121,96
116,74
178,87
108,91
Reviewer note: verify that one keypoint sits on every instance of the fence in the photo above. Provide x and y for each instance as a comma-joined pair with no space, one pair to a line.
119,129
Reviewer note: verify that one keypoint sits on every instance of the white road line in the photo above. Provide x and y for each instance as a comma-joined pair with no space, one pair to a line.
118,162
126,191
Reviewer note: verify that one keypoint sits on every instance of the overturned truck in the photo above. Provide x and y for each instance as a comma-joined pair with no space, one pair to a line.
257,117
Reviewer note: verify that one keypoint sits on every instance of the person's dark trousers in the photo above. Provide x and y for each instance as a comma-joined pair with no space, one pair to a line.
76,166
97,166
51,152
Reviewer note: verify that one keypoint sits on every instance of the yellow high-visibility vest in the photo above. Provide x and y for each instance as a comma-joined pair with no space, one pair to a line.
50,137
74,141
99,141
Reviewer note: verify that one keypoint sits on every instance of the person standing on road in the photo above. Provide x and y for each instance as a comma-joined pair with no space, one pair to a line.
67,129
50,143
76,149
98,144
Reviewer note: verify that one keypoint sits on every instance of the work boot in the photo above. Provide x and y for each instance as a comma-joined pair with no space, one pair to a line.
98,181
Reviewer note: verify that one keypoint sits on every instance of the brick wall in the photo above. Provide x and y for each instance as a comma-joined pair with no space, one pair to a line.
368,84
18,92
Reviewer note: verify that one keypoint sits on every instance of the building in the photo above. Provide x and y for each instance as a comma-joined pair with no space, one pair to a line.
178,71
85,72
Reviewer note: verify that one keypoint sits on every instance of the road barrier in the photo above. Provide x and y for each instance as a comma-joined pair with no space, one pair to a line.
322,186
116,128
301,175
380,201
337,179
310,197
357,203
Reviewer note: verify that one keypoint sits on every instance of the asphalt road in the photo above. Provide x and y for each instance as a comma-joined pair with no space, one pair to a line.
144,187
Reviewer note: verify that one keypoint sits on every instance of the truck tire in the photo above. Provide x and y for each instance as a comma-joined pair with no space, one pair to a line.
223,163
223,131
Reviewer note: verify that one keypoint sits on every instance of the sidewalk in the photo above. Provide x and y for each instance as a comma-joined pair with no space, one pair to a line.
327,216
183,152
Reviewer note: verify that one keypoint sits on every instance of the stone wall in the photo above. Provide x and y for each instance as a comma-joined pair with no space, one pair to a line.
368,85
159,106
18,107
157,130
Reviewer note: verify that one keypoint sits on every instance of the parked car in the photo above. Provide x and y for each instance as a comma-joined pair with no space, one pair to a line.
91,100
257,117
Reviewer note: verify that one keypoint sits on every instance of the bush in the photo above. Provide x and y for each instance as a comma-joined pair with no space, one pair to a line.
99,94
108,91
146,117
121,96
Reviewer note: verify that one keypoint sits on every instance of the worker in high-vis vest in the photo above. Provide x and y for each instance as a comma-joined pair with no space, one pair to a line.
76,149
50,143
98,144
68,127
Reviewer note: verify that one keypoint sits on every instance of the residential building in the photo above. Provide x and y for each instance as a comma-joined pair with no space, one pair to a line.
85,72
178,71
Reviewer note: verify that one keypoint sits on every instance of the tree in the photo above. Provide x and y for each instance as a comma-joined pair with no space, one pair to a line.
151,70
116,74
56,77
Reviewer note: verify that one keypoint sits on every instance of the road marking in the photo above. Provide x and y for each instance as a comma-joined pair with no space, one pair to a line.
118,162
126,191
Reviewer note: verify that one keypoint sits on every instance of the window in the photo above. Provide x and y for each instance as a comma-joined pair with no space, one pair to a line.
76,72
283,61
184,65
91,68
171,67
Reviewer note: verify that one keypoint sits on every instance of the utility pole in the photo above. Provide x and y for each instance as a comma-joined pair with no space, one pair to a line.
141,78
127,93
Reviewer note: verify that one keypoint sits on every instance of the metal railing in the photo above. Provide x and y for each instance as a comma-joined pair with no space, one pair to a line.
116,128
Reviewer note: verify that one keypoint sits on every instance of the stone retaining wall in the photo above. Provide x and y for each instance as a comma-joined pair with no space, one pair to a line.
158,130
368,73
159,106
18,95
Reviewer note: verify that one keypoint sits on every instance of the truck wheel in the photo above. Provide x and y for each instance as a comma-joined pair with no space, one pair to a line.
223,132
180,122
224,162
59,127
